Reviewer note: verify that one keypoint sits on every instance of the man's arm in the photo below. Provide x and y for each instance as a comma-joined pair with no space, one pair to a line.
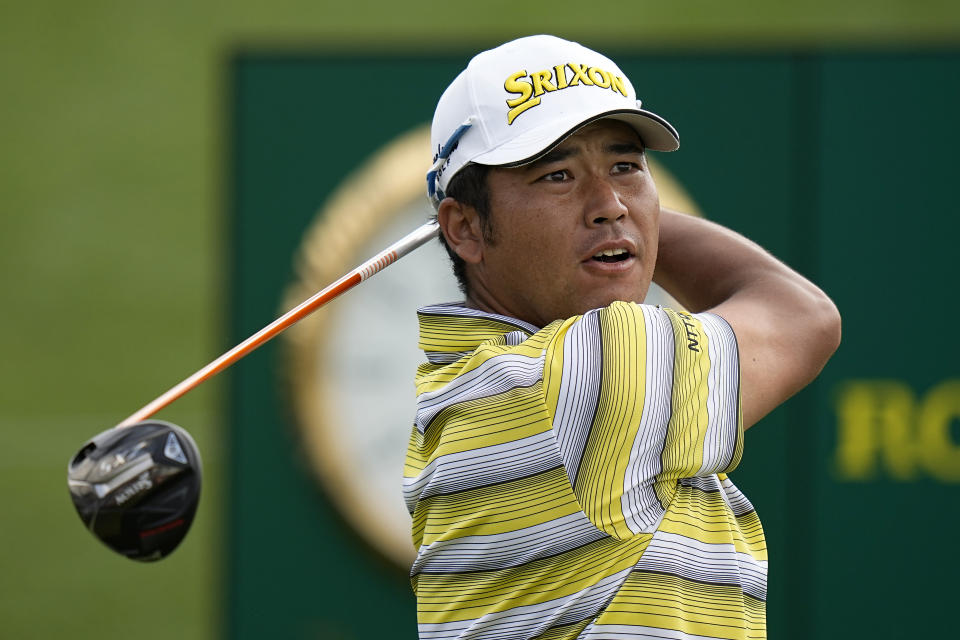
786,327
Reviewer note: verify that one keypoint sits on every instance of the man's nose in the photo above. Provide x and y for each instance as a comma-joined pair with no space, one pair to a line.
602,203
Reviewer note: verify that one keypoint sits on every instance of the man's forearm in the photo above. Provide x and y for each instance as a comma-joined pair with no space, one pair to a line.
702,264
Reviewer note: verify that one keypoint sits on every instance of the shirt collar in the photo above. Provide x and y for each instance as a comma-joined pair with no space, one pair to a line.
451,330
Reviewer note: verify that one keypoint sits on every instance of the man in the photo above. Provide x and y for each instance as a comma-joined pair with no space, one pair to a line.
566,470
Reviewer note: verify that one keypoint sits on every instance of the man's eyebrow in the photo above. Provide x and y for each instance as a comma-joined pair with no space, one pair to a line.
562,153
554,155
625,147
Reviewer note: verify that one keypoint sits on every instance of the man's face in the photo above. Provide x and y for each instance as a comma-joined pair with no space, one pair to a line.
573,231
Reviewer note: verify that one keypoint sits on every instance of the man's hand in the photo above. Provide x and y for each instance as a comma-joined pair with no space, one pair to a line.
786,327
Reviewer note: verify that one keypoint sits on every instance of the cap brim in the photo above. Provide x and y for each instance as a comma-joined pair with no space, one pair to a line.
655,132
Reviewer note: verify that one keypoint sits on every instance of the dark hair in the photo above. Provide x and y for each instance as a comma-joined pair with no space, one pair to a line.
469,187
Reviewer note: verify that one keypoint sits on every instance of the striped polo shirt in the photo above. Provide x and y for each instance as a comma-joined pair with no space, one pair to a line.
569,481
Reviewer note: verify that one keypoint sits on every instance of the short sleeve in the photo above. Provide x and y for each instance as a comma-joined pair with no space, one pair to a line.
642,396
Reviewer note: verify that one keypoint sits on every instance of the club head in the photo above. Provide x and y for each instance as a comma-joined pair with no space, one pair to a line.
137,487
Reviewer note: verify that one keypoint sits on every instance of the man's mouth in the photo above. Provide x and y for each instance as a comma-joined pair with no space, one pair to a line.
611,255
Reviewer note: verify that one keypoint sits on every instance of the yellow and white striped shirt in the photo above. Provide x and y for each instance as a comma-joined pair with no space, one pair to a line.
568,482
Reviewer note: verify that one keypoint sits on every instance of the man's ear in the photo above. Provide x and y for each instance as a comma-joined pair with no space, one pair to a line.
460,225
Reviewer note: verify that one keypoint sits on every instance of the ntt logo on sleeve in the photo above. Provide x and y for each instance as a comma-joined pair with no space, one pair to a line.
530,87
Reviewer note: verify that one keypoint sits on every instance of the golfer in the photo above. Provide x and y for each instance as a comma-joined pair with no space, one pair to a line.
566,472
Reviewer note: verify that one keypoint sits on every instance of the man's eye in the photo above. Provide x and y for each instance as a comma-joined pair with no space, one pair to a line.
625,167
555,176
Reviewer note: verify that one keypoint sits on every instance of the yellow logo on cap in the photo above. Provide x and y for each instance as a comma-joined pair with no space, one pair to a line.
531,87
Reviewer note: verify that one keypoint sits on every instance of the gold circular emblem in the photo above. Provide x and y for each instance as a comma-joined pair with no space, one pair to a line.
351,364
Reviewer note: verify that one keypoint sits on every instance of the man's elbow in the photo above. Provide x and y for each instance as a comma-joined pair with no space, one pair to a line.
824,327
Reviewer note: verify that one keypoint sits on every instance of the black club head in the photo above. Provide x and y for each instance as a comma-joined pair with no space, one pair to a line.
137,487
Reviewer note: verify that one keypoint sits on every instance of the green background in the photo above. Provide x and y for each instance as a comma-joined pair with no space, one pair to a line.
808,154
114,247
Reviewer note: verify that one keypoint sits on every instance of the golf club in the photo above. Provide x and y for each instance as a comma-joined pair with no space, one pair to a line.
136,486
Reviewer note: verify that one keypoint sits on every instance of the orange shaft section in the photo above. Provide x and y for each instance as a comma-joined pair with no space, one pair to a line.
377,263
271,330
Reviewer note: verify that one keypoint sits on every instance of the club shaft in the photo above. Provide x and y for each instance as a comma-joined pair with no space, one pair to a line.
374,265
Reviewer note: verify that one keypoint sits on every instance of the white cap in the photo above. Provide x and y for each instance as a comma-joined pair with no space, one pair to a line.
514,103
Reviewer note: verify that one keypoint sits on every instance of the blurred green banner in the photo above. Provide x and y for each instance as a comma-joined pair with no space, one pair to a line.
840,164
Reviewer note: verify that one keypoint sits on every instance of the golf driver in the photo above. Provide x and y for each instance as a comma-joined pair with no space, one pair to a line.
136,486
